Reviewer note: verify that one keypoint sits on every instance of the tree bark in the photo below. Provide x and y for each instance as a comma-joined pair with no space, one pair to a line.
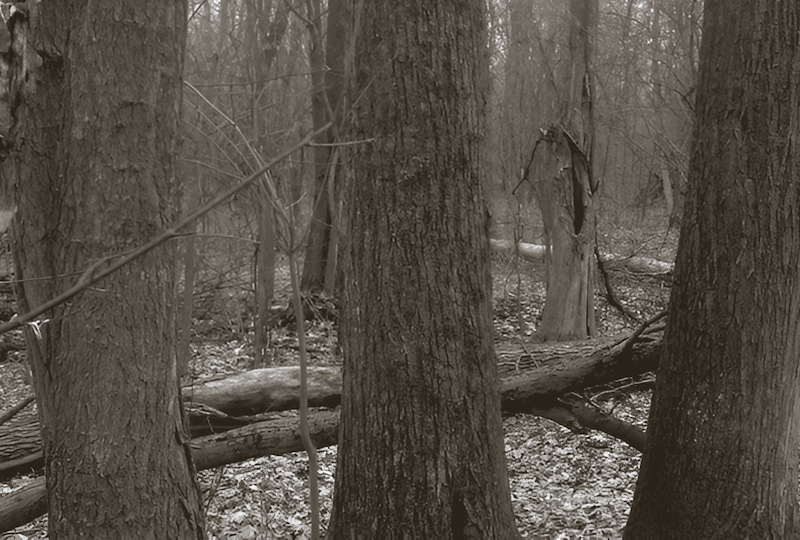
721,452
95,129
421,443
566,188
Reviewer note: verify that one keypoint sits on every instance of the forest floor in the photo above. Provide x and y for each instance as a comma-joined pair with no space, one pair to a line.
563,485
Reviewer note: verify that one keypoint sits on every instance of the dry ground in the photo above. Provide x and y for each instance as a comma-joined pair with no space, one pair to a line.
563,485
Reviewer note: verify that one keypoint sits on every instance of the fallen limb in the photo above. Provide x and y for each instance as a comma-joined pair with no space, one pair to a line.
8,415
279,436
533,378
613,261
269,389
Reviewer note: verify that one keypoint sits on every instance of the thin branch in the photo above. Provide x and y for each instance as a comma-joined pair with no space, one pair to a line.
631,340
92,276
8,415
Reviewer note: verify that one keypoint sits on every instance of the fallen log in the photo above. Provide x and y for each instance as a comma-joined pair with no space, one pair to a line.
613,261
278,436
268,389
533,380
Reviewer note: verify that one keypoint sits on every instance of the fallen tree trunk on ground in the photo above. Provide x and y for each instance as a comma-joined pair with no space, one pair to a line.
278,436
534,377
636,265
269,389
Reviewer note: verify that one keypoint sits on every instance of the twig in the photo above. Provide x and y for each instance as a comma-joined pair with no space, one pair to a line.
8,415
86,281
611,296
629,343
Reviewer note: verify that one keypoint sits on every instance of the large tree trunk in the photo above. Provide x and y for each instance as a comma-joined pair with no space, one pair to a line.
721,454
95,134
421,441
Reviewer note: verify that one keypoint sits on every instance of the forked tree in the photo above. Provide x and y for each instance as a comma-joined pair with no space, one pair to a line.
421,450
721,453
93,171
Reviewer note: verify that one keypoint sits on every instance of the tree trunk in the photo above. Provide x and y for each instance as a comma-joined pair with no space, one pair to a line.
319,266
721,454
566,187
97,117
274,437
421,442
319,234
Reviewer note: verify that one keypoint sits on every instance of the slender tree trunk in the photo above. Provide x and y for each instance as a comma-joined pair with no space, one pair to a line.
319,234
327,67
421,443
721,453
97,117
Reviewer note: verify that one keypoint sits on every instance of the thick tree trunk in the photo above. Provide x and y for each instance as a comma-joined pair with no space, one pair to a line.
95,134
421,443
721,453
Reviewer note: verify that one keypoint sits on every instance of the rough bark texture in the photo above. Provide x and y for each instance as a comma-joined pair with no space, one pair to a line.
421,443
96,91
565,188
721,454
